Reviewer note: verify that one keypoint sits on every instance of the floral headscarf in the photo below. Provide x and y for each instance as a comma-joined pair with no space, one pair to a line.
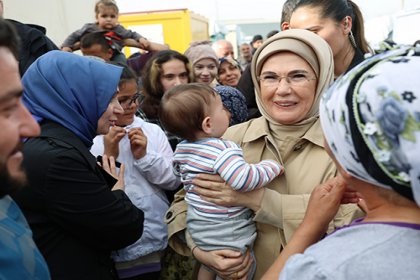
371,121
235,102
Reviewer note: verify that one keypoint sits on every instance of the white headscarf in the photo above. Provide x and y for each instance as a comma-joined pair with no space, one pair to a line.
371,121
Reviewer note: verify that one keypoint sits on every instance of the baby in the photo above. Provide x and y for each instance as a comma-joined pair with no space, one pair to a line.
106,12
195,112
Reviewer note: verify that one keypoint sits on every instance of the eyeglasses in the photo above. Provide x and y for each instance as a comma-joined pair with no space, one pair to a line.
293,79
126,102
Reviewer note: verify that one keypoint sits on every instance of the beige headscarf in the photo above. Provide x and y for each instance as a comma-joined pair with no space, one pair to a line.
314,50
200,50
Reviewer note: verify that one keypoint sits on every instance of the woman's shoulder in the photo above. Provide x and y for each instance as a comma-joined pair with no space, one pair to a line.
237,132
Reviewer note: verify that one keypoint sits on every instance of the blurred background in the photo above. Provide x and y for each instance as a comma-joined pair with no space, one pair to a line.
176,23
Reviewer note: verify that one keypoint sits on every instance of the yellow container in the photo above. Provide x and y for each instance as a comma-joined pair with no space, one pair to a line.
177,28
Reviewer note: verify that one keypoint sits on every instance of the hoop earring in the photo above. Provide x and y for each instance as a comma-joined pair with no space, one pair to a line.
352,40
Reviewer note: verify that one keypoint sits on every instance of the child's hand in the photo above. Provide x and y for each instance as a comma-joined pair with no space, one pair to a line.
112,140
138,142
66,49
144,43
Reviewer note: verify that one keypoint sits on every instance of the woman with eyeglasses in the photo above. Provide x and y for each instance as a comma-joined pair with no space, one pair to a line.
78,210
145,151
290,71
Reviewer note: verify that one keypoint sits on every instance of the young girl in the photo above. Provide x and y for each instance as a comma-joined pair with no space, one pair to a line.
195,112
204,62
106,14
145,151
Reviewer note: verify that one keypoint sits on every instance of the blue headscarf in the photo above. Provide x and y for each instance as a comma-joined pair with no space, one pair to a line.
235,102
70,90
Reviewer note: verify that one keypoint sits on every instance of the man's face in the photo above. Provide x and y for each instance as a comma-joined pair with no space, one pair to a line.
15,123
224,49
98,51
245,50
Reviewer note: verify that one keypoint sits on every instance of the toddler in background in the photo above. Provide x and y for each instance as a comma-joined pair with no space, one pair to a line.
106,12
195,112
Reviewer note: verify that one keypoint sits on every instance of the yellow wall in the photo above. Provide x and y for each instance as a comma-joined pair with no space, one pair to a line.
180,27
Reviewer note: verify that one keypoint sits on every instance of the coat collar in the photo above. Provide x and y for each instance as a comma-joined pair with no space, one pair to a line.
259,128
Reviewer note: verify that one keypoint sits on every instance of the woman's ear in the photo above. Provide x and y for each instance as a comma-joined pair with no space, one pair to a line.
109,54
347,24
206,125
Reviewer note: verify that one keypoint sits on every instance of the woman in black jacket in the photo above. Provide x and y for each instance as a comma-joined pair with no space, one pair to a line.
78,212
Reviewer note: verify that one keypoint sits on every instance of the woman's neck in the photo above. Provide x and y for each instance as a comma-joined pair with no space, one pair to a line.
393,213
343,59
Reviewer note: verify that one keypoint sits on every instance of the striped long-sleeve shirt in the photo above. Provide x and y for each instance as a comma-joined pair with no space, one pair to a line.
217,156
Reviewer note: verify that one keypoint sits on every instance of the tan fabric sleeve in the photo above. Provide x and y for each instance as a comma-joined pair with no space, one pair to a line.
176,219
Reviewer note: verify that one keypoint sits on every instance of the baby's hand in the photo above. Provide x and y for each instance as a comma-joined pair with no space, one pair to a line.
144,43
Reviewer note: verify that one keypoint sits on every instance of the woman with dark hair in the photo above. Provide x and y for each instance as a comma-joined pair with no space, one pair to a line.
340,23
162,72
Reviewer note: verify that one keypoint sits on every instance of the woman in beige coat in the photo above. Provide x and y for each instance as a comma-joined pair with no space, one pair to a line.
290,71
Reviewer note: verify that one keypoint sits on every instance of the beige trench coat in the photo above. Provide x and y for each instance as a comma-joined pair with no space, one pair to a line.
285,200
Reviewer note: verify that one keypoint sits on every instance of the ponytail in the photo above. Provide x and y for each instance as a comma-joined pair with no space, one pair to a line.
358,28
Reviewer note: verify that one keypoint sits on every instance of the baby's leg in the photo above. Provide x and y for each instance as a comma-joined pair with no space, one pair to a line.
205,274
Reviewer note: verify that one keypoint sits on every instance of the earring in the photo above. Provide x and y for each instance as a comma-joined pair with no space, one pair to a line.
352,40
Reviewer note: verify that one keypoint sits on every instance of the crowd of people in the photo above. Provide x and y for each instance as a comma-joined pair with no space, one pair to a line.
297,160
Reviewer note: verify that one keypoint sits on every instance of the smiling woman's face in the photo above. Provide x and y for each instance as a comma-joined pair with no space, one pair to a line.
287,103
229,74
110,116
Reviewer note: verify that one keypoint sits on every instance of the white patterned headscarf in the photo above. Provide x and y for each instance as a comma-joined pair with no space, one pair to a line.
371,121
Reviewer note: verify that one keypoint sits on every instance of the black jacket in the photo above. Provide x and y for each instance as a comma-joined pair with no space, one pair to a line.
75,217
246,86
33,43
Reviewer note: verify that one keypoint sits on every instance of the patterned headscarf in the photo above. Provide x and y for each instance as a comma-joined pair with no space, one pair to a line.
71,90
230,60
235,102
371,121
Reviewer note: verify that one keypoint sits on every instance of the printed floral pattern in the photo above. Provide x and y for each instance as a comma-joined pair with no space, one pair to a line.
382,112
